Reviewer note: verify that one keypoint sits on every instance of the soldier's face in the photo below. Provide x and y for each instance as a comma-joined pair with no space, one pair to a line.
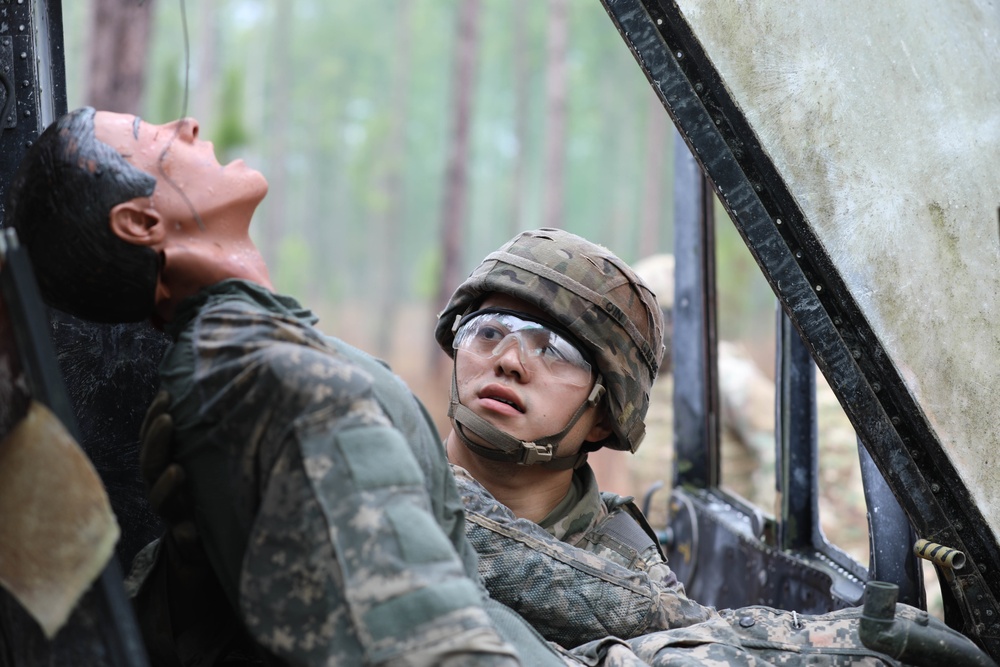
519,396
191,185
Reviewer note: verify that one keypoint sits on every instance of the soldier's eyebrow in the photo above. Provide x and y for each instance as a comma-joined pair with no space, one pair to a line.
135,126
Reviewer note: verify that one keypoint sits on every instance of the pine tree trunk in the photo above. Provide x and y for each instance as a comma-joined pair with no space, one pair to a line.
456,196
556,94
118,51
388,223
518,219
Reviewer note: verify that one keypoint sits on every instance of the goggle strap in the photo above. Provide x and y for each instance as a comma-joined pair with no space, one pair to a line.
574,462
505,447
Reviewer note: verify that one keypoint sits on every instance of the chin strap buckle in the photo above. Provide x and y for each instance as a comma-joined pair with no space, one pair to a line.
533,453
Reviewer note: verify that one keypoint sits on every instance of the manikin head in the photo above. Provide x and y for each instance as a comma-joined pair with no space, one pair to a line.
123,219
551,287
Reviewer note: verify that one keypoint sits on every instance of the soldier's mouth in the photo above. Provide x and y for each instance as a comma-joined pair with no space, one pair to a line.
506,402
501,395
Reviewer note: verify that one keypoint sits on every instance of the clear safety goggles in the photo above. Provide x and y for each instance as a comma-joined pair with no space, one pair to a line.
490,333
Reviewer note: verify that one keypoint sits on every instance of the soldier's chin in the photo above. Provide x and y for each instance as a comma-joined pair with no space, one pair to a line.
254,179
239,163
472,436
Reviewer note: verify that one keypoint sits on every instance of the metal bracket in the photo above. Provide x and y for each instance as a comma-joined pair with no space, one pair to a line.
8,110
533,453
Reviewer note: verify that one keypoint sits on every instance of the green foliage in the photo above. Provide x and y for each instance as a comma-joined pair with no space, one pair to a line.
169,94
294,253
427,273
231,131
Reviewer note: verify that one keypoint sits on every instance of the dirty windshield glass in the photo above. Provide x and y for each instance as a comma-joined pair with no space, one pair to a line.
888,138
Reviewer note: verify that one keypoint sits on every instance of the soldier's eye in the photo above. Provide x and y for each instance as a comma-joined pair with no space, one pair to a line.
490,334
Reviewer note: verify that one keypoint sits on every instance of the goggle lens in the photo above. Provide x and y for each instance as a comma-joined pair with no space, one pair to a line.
489,334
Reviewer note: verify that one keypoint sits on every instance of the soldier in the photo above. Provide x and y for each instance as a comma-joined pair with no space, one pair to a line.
556,343
548,338
544,374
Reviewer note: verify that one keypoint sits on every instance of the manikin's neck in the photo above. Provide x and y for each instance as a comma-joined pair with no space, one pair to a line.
192,267
530,492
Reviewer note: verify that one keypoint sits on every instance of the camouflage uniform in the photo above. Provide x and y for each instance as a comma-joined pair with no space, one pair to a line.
322,495
608,525
752,637
572,596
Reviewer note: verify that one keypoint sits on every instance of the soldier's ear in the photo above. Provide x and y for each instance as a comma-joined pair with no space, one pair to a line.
137,223
601,429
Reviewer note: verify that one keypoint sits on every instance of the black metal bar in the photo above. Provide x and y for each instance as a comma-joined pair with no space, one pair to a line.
31,331
38,77
797,461
696,417
890,537
911,642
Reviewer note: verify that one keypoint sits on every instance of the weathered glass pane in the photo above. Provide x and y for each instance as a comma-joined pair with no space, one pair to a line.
884,121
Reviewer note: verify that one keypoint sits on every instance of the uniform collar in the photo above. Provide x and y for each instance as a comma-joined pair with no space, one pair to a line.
244,290
579,510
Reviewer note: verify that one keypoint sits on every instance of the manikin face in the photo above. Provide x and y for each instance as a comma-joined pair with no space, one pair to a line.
188,174
519,396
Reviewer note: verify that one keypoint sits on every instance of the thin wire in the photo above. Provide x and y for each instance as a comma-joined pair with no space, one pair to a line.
177,131
187,58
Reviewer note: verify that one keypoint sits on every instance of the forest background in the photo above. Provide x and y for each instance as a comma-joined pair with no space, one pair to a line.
403,140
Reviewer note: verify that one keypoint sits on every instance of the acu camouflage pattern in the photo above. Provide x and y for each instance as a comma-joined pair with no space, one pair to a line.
570,595
334,529
579,511
753,637
609,616
587,290
587,525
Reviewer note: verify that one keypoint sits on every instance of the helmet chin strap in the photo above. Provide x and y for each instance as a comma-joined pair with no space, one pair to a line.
505,447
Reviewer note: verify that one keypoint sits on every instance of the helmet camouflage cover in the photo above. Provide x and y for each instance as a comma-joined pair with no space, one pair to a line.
590,292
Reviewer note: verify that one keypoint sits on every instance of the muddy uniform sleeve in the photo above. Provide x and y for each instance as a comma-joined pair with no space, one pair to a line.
316,517
569,595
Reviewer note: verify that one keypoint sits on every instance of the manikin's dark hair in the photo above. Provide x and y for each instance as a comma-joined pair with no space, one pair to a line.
60,203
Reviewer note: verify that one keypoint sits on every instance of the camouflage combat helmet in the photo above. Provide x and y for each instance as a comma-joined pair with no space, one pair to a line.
591,293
